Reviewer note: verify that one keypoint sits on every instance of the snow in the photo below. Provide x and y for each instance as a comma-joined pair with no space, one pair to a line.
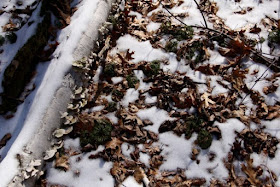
143,50
25,123
117,80
100,176
127,149
144,158
130,96
155,115
260,10
173,65
152,26
176,150
131,182
72,143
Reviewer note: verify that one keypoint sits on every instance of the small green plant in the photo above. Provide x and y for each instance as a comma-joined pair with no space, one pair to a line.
113,20
204,139
99,135
117,95
152,68
11,37
195,52
262,40
194,124
222,40
274,36
178,32
171,46
109,70
112,106
132,80
2,40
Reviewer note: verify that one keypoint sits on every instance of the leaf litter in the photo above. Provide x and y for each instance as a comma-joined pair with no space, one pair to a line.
193,137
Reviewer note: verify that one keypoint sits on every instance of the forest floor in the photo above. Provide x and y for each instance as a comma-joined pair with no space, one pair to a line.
176,93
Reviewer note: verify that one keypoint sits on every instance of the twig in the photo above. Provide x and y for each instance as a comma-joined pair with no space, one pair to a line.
257,53
271,176
201,13
256,81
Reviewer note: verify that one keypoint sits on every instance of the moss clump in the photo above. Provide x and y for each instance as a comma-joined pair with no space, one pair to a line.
204,139
178,32
195,52
194,124
274,36
171,46
117,95
109,70
222,40
132,80
112,106
152,68
113,20
100,134
11,37
2,40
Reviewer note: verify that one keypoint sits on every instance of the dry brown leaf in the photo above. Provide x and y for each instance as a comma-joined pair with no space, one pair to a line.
62,162
9,26
206,99
270,89
5,139
251,173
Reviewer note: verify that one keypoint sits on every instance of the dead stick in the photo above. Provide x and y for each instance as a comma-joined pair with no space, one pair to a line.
201,13
256,81
257,53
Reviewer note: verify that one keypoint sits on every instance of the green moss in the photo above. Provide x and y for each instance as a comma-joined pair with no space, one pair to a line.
132,80
11,37
152,68
204,139
117,95
100,134
112,106
195,52
171,46
274,36
194,124
113,20
262,40
2,40
178,32
109,70
221,40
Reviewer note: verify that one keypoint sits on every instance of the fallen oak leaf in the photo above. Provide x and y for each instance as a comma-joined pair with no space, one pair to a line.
251,173
255,30
62,162
270,89
205,98
128,55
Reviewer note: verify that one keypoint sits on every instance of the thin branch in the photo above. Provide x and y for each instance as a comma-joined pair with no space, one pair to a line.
256,81
268,61
201,13
269,171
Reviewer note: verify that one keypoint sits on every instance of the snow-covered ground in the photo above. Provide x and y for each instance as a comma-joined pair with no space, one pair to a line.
175,152
160,157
